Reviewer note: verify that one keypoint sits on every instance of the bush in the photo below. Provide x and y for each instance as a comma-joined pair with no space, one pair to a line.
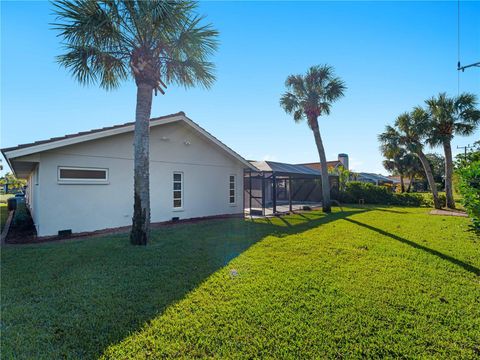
373,194
428,199
469,187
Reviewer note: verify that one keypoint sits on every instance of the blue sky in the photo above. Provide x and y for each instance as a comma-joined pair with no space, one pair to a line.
392,56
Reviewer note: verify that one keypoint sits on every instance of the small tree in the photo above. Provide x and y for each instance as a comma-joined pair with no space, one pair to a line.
308,97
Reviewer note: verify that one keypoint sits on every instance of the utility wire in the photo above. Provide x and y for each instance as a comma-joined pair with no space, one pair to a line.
458,47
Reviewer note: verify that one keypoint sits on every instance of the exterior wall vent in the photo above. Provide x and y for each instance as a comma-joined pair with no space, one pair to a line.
66,232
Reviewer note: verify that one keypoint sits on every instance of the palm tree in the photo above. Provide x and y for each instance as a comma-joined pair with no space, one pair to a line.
395,159
414,168
409,132
154,43
403,164
450,116
308,97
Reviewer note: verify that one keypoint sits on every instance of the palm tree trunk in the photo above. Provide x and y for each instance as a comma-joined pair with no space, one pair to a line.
409,188
326,206
448,174
141,207
430,179
402,184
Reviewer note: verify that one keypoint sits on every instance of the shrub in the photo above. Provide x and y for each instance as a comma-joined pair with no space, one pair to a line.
469,187
427,199
373,194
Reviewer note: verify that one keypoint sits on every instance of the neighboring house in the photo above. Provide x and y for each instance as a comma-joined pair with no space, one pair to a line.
84,182
331,165
396,179
376,179
372,178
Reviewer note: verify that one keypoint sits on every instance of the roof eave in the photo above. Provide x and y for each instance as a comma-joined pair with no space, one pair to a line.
15,152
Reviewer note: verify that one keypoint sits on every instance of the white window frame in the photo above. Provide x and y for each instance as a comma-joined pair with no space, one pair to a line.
180,208
82,181
234,189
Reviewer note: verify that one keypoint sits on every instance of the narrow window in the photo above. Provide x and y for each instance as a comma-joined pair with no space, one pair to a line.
177,190
76,175
232,189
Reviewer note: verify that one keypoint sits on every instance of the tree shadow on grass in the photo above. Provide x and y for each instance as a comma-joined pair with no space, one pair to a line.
443,256
389,210
73,300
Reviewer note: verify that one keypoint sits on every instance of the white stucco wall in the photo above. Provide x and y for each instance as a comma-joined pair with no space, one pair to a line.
206,168
31,194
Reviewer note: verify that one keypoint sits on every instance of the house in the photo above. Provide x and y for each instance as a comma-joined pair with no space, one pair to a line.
372,178
331,165
376,179
84,182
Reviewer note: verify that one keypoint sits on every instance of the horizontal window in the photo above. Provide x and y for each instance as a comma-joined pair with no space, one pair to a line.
82,175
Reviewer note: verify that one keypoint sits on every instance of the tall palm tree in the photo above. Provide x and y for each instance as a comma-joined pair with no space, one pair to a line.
409,132
154,43
450,116
308,97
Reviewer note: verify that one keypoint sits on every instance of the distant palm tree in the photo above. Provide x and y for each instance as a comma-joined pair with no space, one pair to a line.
414,168
153,42
402,163
409,132
308,97
451,116
395,159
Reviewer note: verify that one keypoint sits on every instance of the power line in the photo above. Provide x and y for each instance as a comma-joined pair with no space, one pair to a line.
465,148
459,65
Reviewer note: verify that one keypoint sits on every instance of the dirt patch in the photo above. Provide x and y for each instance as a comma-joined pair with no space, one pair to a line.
449,212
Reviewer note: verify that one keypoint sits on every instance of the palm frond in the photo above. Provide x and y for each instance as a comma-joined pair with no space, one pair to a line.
313,92
159,41
89,64
452,115
289,102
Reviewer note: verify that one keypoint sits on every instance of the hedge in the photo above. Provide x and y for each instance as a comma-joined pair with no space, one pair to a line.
356,191
469,187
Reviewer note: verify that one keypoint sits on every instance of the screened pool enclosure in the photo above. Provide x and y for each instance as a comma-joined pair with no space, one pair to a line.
277,188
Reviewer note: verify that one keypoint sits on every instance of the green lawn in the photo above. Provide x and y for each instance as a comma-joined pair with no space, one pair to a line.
5,197
3,215
377,282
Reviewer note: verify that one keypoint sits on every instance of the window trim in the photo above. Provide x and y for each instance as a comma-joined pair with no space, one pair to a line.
180,208
82,181
234,203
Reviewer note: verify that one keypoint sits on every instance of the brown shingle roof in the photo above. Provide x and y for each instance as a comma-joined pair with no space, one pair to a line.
318,166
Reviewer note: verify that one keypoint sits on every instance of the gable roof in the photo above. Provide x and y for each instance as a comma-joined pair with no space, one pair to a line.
273,166
11,153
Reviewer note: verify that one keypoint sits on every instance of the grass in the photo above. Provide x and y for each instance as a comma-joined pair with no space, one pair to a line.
5,197
375,282
3,215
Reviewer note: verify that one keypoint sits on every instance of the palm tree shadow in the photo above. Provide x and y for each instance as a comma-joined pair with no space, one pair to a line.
443,256
136,284
390,210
